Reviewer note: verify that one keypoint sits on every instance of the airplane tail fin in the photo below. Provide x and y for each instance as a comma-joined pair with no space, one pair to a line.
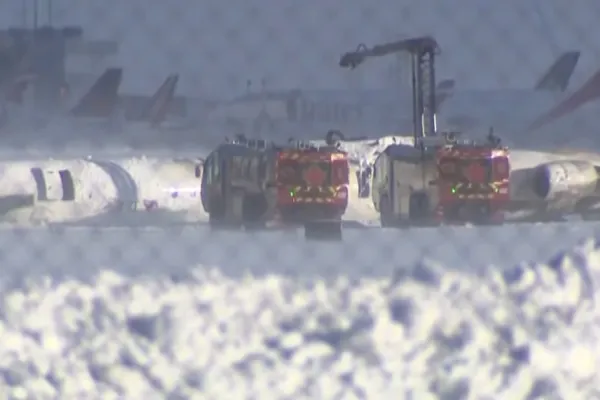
158,106
559,74
101,99
588,92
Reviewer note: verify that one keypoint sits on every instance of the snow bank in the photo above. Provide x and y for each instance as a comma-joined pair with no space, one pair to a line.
172,183
424,333
152,191
369,149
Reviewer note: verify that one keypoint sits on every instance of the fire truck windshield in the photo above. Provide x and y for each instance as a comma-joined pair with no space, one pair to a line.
304,173
464,170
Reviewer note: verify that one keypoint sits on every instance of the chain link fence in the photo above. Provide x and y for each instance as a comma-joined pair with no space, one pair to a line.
226,51
494,51
222,52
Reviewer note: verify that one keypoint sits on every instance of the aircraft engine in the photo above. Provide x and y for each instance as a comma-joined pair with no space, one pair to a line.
565,180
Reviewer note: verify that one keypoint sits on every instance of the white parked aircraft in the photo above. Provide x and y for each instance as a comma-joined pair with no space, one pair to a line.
100,106
379,112
519,110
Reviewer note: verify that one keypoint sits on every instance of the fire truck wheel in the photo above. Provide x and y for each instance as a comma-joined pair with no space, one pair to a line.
386,213
419,209
216,214
496,218
323,230
217,220
254,208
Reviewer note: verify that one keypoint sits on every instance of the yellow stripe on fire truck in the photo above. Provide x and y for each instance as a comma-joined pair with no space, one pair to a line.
327,189
492,185
304,156
313,200
476,196
458,152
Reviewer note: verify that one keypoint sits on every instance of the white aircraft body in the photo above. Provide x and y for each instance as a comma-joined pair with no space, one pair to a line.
374,113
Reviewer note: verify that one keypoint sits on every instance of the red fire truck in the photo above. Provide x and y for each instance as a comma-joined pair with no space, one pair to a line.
450,183
473,183
312,188
250,183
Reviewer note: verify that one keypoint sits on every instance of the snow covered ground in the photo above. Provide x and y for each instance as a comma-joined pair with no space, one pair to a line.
98,300
134,314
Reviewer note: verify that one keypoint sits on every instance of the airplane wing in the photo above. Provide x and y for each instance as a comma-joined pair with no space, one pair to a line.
559,74
101,99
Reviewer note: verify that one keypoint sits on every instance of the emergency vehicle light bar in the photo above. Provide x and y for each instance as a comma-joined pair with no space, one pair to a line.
292,144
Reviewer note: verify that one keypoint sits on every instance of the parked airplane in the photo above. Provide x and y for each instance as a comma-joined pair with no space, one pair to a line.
101,99
555,80
385,110
101,107
559,75
171,112
515,109
156,108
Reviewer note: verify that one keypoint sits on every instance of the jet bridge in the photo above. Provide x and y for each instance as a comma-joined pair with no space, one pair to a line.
423,51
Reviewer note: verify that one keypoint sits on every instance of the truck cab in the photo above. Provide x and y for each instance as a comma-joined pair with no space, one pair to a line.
248,185
473,183
234,185
404,184
312,183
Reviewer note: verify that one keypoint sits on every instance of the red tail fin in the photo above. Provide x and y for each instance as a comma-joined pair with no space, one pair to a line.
159,104
588,92
101,99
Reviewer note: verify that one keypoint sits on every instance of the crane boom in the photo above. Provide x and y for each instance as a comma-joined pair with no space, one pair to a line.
422,50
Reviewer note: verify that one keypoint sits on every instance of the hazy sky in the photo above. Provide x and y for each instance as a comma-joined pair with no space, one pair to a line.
217,45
